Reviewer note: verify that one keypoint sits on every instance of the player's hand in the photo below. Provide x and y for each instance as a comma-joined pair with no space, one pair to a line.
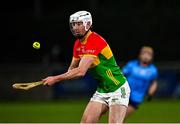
50,80
149,98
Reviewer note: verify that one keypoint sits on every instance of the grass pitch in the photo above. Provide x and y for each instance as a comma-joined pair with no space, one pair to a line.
71,111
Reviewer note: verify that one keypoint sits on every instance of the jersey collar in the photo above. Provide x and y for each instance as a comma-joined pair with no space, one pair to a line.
85,40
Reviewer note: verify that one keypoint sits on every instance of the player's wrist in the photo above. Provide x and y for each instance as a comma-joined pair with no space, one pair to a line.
57,78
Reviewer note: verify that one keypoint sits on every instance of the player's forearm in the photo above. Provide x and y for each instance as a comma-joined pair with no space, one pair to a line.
152,88
71,74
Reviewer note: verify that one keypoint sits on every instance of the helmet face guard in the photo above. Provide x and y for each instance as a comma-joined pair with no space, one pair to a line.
80,17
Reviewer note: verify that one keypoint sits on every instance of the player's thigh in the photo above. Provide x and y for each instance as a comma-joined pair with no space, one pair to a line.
93,112
117,113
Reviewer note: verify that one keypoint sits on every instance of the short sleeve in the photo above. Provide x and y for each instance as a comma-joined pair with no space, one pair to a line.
95,46
75,53
127,68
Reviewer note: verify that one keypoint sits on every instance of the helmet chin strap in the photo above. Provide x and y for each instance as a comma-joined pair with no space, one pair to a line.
85,25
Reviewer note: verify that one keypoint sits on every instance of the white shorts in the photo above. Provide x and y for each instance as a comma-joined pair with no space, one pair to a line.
118,97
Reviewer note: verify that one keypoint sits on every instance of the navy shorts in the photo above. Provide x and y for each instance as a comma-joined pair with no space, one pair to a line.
134,104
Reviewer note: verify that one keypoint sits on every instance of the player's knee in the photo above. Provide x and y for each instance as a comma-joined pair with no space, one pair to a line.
116,120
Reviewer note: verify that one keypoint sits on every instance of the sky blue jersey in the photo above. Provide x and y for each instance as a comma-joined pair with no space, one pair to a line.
139,79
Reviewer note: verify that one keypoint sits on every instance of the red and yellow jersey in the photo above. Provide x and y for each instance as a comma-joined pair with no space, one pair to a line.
104,68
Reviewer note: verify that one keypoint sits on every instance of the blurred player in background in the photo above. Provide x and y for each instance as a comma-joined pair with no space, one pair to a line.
141,75
91,52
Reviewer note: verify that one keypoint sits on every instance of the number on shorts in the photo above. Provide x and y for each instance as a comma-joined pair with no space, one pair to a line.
123,92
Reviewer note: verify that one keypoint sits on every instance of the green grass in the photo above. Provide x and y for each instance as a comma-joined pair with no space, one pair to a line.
71,111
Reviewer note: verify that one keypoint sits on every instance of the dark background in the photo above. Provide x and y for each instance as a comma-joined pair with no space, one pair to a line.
125,24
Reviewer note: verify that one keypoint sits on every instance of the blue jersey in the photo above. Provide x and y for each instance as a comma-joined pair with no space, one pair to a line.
139,79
